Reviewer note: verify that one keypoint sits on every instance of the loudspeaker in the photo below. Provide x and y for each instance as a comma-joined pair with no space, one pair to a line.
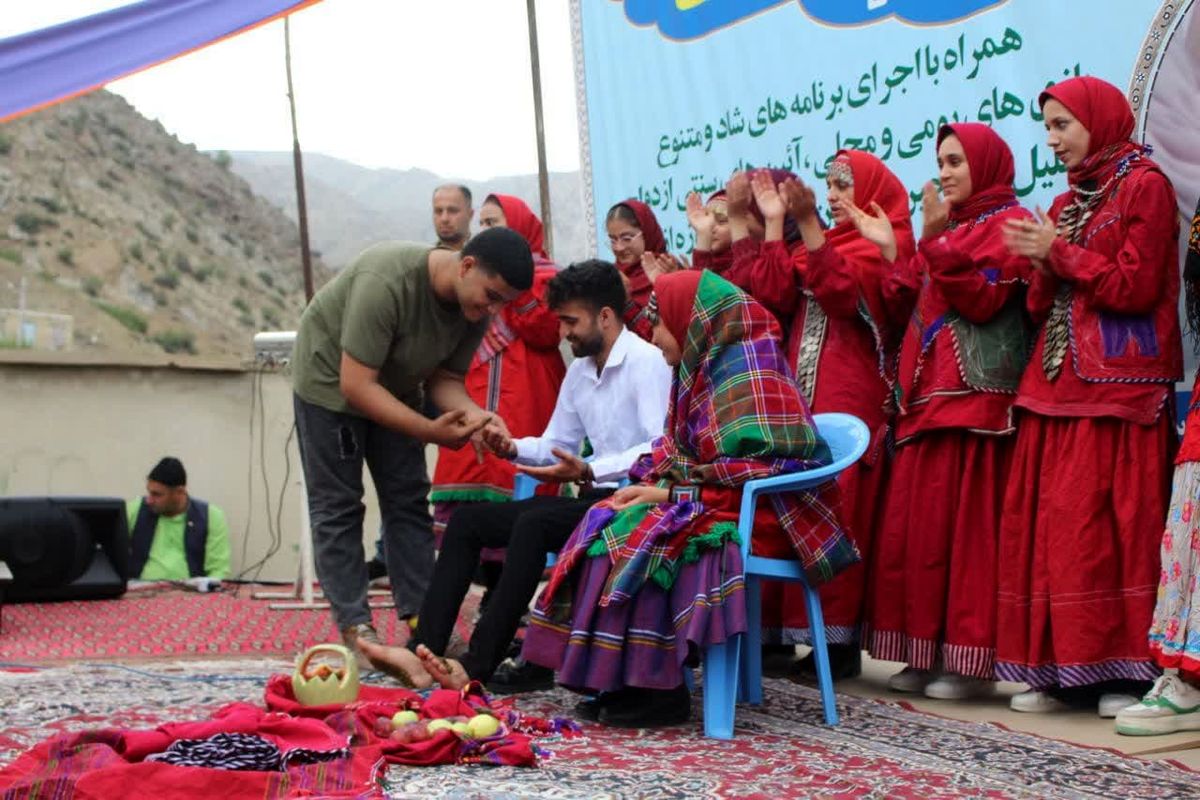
64,548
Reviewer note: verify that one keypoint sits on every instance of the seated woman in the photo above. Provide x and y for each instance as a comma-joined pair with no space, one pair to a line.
654,573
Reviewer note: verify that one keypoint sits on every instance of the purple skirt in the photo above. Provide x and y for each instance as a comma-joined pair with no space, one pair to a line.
646,641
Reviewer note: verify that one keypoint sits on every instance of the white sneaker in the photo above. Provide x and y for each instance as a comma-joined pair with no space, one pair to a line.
1110,704
957,687
1035,702
1171,705
910,680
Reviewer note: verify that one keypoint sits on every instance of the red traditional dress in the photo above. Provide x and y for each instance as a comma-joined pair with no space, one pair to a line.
1091,472
841,343
934,582
639,283
519,381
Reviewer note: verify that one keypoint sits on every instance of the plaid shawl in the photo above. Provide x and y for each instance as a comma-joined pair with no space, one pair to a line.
736,415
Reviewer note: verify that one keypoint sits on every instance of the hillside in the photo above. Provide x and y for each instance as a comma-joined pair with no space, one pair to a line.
351,207
145,243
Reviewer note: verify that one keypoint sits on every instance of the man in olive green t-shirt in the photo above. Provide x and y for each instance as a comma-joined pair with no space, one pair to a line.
400,323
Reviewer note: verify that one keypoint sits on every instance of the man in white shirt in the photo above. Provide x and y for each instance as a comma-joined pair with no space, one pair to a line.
615,395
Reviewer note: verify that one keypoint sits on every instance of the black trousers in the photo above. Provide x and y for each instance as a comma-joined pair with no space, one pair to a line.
529,529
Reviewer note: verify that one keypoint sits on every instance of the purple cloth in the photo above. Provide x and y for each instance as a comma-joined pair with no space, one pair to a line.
53,64
645,641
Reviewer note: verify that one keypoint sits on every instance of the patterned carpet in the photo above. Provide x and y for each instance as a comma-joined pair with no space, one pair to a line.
879,750
156,623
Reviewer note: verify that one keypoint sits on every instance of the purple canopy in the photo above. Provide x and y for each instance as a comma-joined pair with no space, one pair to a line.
48,66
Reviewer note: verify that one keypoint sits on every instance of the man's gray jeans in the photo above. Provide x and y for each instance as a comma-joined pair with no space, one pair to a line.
333,449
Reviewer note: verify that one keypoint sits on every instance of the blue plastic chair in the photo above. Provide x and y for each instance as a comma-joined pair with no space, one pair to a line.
523,489
733,669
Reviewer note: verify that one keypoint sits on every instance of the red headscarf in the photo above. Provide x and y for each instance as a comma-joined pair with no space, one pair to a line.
652,235
652,238
675,294
1104,111
519,217
722,261
990,162
873,182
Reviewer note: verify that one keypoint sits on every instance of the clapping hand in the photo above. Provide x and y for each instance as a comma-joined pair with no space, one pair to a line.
737,195
935,212
766,195
800,200
699,217
1031,238
876,228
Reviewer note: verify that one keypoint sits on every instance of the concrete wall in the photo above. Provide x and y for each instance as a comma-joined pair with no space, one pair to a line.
70,427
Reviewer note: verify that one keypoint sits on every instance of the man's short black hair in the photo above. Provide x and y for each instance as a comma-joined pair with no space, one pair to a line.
463,190
595,283
503,252
169,472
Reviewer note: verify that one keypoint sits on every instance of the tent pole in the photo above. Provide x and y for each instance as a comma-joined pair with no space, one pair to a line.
543,174
297,162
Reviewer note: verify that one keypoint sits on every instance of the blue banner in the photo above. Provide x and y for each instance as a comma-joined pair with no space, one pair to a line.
679,93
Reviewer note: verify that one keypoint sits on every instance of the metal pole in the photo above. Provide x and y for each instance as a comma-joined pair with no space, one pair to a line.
543,174
301,205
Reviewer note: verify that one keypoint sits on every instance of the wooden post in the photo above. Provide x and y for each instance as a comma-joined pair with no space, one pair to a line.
297,163
543,174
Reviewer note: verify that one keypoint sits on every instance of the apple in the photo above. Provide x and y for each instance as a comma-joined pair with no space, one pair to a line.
462,729
401,735
404,717
417,732
436,725
483,726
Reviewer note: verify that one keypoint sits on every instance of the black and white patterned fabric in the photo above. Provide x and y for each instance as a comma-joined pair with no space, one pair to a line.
233,751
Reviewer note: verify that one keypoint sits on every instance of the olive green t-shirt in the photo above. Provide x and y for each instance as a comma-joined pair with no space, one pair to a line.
382,311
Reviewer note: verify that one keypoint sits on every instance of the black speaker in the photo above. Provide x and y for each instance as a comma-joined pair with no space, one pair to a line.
64,548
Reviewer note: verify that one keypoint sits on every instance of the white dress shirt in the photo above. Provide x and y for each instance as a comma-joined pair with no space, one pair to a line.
620,411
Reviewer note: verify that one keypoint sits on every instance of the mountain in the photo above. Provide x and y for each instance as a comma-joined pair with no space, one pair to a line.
116,236
351,207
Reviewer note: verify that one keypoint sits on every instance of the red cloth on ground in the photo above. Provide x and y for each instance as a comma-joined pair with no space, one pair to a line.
106,764
519,381
934,581
1080,533
639,282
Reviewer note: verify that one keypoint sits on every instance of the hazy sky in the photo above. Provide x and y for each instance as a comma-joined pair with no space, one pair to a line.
385,83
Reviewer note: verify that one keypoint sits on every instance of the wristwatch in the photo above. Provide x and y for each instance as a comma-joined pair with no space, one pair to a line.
587,477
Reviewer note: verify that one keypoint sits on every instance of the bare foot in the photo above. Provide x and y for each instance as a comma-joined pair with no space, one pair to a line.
446,671
399,662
